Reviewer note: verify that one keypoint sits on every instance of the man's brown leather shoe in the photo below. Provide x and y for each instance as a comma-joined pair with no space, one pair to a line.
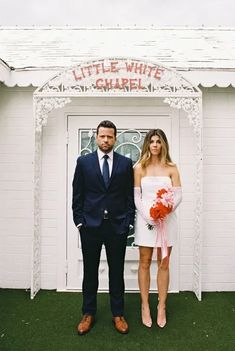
121,324
86,324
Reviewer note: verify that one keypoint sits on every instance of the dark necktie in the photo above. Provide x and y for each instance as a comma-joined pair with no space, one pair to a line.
106,170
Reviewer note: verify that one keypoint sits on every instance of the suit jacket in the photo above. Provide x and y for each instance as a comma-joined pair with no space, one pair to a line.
91,197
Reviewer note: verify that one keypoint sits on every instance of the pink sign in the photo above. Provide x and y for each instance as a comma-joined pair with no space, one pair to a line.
119,74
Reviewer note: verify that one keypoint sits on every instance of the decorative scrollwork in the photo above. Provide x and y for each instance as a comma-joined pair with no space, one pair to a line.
43,106
88,148
36,252
119,75
191,106
136,138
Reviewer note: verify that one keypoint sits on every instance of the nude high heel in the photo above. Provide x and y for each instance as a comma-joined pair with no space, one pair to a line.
161,317
146,320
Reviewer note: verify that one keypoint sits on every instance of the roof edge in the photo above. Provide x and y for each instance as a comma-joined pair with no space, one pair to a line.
4,71
117,27
37,77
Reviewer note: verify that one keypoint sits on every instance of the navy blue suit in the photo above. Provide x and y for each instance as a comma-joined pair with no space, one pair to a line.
90,199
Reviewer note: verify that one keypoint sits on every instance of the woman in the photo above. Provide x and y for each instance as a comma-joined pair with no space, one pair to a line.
155,170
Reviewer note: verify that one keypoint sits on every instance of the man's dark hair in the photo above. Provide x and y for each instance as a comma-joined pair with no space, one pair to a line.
107,124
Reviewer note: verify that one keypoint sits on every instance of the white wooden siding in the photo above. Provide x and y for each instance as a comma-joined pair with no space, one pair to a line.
186,231
219,190
16,184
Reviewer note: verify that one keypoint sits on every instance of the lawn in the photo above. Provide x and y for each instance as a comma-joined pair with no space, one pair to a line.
48,323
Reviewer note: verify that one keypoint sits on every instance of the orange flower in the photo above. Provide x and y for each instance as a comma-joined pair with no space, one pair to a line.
159,211
161,192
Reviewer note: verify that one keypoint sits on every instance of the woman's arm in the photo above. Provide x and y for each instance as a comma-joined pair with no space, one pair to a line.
137,175
175,176
176,185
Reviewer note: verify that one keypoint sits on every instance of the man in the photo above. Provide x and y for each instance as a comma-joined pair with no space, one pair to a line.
103,210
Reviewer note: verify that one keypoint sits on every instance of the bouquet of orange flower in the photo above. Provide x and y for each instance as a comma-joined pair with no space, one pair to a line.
162,206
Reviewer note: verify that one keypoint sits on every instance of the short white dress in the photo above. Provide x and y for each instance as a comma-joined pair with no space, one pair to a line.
144,236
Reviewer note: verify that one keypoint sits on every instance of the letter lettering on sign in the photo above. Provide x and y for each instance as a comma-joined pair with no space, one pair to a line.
97,67
139,68
140,85
83,74
150,70
76,77
105,70
117,84
108,83
114,68
124,82
133,85
88,68
129,66
99,83
158,73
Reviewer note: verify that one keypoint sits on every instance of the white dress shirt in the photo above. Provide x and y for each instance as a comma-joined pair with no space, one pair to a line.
101,160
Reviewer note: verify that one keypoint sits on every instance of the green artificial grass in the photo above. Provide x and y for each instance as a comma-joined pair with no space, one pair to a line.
48,323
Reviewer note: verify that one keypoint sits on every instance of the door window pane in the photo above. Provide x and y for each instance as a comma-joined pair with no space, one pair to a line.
129,142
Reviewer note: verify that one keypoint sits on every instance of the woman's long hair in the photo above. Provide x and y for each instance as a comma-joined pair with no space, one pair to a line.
146,155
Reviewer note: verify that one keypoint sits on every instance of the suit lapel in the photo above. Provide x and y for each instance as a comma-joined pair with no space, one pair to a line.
97,168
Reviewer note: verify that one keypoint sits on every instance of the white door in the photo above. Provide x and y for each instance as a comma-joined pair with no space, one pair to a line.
81,131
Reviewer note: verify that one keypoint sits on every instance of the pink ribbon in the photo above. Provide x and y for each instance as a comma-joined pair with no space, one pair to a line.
161,228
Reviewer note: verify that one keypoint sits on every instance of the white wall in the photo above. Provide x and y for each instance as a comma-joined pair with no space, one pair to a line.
49,201
187,168
16,182
219,190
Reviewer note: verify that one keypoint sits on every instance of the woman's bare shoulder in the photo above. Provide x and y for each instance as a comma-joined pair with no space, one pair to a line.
138,167
138,170
173,168
174,175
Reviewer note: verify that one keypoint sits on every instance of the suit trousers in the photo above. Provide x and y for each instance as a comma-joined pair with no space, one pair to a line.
92,240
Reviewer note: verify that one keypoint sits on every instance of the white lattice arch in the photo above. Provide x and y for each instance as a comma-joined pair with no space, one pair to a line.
118,77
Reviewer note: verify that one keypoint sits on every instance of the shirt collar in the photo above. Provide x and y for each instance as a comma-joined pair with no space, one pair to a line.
101,154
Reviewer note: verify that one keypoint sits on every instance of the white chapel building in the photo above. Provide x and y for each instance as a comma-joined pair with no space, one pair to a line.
56,85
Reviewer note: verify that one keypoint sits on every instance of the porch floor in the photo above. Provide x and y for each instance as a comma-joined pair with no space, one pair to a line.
48,323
